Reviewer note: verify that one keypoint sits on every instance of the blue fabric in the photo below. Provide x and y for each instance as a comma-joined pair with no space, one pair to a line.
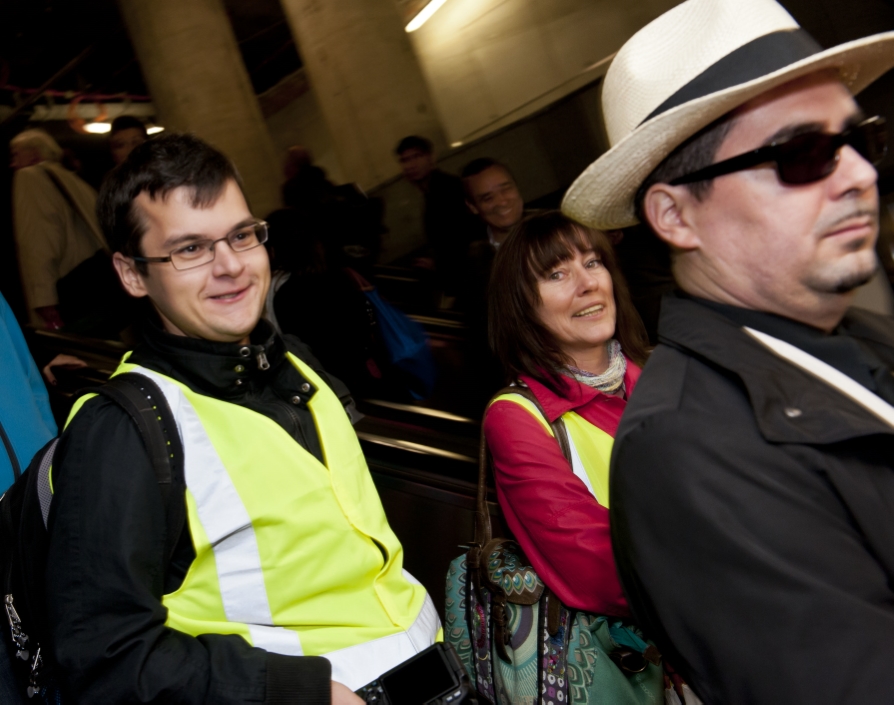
24,404
407,345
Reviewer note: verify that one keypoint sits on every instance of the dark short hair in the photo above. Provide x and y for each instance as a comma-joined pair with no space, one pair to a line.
695,153
127,122
477,166
159,167
414,142
522,344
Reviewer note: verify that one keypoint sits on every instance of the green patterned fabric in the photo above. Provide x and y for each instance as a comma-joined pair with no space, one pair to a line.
571,666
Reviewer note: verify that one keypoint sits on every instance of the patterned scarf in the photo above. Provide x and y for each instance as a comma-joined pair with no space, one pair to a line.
609,381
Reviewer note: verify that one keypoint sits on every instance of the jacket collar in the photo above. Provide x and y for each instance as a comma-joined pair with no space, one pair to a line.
576,395
790,405
223,370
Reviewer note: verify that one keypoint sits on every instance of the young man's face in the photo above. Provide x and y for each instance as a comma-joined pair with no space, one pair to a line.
124,142
416,164
789,249
221,300
494,197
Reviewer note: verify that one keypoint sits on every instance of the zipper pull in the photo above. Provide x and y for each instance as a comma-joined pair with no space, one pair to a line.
262,361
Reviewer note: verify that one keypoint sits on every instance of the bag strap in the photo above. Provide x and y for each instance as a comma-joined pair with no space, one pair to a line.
10,451
76,207
141,398
483,530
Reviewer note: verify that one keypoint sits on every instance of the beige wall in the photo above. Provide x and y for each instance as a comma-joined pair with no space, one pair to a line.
485,60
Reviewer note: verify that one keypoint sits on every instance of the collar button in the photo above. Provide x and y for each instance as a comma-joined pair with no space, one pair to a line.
305,387
245,351
239,368
295,400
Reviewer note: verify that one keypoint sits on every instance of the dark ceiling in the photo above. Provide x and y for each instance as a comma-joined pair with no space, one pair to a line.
39,37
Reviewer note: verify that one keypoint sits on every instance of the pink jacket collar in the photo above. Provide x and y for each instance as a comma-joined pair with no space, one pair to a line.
579,395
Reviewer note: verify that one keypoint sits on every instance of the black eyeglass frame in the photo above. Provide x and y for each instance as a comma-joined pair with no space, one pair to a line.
261,230
872,132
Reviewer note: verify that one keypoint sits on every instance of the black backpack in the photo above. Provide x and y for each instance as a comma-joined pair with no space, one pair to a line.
27,669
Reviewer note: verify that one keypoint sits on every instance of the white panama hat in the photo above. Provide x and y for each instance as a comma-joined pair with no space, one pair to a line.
685,70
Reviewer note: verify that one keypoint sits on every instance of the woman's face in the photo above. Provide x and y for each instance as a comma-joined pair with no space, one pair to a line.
578,305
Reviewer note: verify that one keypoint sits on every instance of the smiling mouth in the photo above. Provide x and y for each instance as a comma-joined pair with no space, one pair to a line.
230,296
589,311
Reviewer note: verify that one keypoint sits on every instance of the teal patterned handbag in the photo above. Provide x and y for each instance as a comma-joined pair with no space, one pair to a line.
520,644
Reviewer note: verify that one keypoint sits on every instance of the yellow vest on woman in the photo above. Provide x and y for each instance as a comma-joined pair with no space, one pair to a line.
294,555
590,446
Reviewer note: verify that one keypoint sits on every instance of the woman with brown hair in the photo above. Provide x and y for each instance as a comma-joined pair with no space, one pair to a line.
562,324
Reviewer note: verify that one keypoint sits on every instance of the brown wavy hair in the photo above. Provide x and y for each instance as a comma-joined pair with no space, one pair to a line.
522,344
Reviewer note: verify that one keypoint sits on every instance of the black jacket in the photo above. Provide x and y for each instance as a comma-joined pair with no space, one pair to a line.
752,514
106,573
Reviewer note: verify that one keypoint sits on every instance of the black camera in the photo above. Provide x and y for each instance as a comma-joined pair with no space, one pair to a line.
434,676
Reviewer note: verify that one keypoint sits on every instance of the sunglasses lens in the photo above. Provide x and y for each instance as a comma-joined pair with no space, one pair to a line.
813,156
870,139
807,158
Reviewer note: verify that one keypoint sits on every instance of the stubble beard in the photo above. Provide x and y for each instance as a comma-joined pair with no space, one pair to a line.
848,273
852,268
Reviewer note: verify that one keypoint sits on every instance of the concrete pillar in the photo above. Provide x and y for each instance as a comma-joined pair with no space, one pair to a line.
191,62
366,79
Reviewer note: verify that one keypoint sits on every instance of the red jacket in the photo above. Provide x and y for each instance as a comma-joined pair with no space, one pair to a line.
559,525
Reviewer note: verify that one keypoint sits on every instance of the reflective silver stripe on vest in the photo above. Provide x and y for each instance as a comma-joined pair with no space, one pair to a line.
577,465
357,665
227,524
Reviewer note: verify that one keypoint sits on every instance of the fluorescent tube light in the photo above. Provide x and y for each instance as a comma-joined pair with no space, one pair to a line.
424,16
98,128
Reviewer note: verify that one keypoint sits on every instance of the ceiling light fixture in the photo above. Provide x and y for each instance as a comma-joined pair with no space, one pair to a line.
98,128
154,130
425,15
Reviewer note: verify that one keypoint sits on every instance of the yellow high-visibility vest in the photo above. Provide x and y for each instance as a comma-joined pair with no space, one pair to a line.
591,447
294,555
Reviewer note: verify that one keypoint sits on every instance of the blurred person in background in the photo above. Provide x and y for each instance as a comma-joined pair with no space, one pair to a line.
126,134
54,222
448,225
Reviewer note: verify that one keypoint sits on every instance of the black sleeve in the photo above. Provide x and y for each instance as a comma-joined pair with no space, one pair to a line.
740,560
104,588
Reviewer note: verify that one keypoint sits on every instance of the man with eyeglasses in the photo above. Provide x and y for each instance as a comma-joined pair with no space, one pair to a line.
752,492
286,584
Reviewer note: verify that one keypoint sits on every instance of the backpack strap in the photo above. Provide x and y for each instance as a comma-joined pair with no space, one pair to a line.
141,398
10,451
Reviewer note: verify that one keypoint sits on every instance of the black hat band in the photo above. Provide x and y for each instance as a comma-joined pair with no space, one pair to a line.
759,57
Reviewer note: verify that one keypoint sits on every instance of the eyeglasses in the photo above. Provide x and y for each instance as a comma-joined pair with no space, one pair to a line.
804,158
201,251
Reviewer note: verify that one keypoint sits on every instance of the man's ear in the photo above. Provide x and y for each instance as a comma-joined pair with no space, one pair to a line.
131,278
669,210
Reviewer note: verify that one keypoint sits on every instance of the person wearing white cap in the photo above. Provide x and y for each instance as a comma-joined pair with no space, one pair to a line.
752,492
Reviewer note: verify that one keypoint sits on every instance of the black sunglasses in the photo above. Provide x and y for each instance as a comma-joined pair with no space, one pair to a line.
804,158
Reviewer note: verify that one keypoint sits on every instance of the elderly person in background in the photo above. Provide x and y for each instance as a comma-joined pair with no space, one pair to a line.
562,324
54,221
751,482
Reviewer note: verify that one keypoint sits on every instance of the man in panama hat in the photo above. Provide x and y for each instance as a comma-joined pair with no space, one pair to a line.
752,492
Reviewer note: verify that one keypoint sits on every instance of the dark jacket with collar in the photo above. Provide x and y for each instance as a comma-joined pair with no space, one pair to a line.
106,572
752,514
